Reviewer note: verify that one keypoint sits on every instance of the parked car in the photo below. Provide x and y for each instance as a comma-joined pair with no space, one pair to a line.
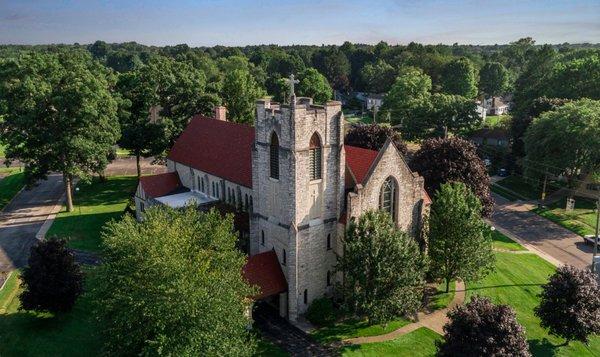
503,173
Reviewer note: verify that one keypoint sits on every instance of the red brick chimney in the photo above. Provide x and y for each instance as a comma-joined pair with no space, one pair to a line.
221,113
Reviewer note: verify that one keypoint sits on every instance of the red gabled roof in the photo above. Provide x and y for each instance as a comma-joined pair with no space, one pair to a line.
359,161
218,147
264,271
161,184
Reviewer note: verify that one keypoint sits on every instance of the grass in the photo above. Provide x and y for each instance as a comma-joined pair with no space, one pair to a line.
517,282
504,193
353,119
2,150
582,220
522,186
493,121
442,298
95,205
123,152
267,349
420,342
44,334
350,328
502,242
10,185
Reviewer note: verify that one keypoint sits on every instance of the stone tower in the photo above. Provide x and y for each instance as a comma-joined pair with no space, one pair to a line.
298,189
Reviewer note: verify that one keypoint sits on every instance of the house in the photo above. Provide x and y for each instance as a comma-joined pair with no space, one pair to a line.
496,106
498,137
481,111
299,185
374,101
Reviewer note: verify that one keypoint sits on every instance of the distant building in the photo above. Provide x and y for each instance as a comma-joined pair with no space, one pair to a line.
374,101
496,106
491,137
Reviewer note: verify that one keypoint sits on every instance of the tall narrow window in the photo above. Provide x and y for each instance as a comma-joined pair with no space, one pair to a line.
246,202
284,258
262,237
315,157
387,197
305,296
328,278
274,156
328,241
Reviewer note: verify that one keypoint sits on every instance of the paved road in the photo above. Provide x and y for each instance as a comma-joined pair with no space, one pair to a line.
544,235
23,217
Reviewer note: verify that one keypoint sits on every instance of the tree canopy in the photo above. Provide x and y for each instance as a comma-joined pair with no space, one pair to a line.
458,77
240,92
460,244
373,137
172,284
313,84
384,270
59,114
493,79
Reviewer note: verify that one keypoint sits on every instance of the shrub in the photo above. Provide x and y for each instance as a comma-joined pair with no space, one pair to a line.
53,280
321,312
570,304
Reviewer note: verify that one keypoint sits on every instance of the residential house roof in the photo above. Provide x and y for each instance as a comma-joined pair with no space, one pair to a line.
218,147
264,271
161,184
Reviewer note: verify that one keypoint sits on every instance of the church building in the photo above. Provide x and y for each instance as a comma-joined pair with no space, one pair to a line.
295,184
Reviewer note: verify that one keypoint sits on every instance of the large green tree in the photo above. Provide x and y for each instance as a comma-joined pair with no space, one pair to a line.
383,269
239,93
458,77
334,65
451,113
576,123
460,246
313,84
407,102
173,285
378,77
59,114
493,79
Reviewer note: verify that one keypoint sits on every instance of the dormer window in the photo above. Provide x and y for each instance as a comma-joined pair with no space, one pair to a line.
315,160
274,156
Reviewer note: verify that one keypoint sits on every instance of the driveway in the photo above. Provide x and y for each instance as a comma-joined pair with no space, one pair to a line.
23,217
551,239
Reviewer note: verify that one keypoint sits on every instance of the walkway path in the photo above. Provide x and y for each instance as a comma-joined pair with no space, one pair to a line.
539,235
434,321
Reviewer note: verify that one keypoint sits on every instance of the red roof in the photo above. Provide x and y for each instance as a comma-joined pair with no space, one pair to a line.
359,161
218,147
264,271
161,184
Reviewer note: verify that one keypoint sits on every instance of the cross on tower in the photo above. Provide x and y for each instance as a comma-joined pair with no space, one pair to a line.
291,81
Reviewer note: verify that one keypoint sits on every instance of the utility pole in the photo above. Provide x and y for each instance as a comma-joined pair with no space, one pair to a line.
544,189
596,236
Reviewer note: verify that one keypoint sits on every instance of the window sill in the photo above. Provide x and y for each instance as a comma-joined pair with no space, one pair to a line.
272,179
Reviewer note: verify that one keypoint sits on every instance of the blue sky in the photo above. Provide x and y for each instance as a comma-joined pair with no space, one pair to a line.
211,22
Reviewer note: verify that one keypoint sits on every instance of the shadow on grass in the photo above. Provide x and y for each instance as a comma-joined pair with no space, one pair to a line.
82,231
543,347
109,192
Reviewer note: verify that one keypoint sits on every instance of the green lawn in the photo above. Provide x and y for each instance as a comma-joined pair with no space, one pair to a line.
353,119
95,205
351,328
502,242
517,282
123,152
44,334
267,349
1,151
492,121
582,220
504,193
420,342
524,187
10,185
442,298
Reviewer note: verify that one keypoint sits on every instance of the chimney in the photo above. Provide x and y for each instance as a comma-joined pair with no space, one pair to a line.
221,113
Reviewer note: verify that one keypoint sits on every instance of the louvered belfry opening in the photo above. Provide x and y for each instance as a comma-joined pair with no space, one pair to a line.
315,157
274,156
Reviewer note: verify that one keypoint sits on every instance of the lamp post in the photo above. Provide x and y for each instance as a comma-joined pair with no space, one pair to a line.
77,191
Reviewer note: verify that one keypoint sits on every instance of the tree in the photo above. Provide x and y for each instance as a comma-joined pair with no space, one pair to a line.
460,245
481,328
173,285
493,79
378,77
451,113
313,84
240,92
546,136
458,77
334,65
570,304
59,115
373,137
52,281
407,102
446,160
383,269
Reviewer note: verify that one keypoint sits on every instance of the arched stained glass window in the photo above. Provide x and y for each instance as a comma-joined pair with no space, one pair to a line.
315,160
387,197
274,156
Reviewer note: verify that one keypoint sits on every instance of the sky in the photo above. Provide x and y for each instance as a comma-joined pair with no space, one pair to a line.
286,22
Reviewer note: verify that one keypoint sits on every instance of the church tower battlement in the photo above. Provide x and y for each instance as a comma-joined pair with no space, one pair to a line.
298,188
